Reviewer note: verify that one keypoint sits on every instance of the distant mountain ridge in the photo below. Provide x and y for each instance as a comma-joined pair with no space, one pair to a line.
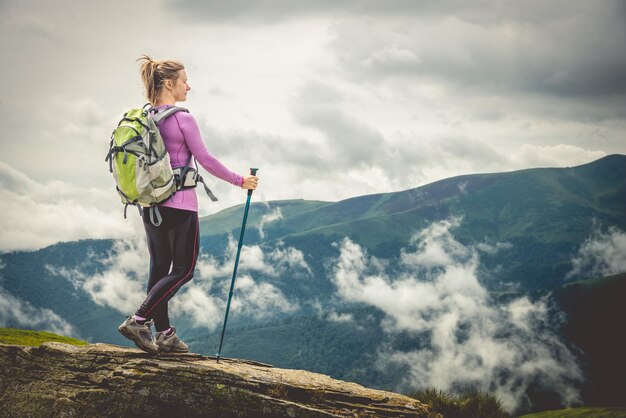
599,186
544,212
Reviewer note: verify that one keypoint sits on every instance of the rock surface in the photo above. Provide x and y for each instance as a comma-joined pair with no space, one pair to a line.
104,380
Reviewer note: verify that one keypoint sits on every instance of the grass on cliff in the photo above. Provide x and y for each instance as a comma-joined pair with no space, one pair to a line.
33,338
583,412
471,403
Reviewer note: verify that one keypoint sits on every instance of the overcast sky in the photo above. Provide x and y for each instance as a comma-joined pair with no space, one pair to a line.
330,99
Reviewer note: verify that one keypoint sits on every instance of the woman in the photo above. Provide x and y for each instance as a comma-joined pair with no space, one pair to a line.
174,244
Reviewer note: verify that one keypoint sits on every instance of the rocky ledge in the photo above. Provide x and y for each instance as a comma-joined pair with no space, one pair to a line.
104,380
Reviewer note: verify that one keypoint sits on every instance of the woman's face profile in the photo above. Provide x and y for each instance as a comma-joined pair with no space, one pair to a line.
180,88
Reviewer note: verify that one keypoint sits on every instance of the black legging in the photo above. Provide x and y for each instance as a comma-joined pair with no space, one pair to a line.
175,243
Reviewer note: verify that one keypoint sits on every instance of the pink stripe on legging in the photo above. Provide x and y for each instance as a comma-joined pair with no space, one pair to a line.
193,264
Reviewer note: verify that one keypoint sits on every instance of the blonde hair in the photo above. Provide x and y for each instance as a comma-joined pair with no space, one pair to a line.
154,73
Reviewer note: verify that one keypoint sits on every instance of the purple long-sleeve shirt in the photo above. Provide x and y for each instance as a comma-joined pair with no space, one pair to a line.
181,136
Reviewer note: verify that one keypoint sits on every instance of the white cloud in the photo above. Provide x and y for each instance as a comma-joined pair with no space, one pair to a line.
392,55
121,283
35,215
602,254
204,298
196,302
435,248
15,312
272,216
289,258
333,316
462,187
500,52
272,262
260,300
492,249
559,155
501,348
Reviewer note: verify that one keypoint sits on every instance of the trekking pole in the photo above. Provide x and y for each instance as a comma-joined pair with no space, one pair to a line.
232,282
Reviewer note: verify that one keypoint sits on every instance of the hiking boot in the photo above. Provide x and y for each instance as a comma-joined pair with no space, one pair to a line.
171,343
141,335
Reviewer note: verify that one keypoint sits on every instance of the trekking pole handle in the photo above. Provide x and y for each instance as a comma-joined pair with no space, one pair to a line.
252,173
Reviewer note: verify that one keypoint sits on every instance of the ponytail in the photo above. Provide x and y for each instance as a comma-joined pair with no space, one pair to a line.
154,73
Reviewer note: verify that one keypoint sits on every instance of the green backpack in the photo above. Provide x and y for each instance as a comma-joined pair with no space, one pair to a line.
139,160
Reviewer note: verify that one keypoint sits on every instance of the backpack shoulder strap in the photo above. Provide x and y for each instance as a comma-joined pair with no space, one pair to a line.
165,113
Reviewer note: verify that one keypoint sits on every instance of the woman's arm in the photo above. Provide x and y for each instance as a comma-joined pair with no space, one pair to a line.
198,149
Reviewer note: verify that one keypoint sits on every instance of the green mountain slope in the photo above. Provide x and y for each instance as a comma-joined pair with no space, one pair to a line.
33,338
504,205
544,213
229,219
